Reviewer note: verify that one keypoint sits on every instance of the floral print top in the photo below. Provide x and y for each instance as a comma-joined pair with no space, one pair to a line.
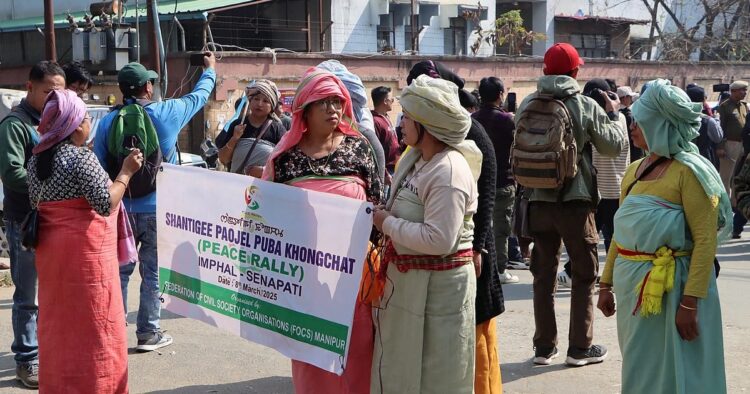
354,156
76,173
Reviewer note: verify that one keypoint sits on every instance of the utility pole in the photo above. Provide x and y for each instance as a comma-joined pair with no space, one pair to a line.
137,33
153,38
49,31
322,32
414,23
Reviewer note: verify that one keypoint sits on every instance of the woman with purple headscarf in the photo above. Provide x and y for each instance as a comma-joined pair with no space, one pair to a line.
82,338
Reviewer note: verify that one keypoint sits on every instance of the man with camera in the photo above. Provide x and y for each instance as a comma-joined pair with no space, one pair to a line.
168,118
566,213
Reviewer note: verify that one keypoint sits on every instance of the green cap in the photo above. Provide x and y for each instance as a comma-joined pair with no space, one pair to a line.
134,75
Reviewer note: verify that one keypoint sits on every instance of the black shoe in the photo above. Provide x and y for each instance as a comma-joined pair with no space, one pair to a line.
593,355
545,356
736,236
28,374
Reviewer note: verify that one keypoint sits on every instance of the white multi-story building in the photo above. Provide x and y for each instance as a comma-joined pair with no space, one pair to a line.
598,28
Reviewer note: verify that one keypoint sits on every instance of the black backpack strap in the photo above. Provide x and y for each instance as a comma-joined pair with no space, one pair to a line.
266,126
646,171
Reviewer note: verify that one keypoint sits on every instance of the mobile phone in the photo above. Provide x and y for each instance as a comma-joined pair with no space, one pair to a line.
196,59
511,102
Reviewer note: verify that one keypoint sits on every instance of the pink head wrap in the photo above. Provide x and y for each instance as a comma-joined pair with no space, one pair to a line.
316,84
63,113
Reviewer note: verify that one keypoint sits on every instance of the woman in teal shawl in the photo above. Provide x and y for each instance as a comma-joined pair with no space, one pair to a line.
673,211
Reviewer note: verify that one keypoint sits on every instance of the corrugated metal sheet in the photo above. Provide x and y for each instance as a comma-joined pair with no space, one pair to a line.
165,7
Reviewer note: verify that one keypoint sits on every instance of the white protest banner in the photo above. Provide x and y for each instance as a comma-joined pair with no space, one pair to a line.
275,264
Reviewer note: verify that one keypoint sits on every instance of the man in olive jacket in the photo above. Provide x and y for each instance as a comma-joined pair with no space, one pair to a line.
18,136
567,214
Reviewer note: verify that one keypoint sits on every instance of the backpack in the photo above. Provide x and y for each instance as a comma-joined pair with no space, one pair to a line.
133,128
544,153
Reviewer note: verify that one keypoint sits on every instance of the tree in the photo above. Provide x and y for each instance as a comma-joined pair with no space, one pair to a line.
508,30
723,26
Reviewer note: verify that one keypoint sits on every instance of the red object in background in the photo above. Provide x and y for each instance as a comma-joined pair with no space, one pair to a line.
287,97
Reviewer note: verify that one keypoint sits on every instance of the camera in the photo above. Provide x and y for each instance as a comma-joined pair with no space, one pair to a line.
721,87
598,92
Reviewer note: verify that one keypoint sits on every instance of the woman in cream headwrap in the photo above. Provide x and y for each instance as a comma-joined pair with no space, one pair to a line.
425,324
660,262
254,118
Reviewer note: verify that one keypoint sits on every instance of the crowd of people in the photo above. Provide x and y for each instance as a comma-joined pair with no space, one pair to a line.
464,191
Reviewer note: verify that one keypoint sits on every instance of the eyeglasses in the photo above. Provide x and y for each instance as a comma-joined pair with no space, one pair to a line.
334,102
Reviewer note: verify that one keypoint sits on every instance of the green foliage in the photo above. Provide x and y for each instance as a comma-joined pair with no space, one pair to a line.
508,30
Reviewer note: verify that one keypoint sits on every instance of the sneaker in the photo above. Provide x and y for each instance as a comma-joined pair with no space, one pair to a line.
563,280
545,356
507,278
157,341
593,355
736,236
516,265
28,374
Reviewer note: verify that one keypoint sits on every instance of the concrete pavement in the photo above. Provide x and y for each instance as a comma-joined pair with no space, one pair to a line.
204,359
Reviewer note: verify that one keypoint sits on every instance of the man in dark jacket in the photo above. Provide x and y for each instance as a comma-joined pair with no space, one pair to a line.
500,127
489,301
18,136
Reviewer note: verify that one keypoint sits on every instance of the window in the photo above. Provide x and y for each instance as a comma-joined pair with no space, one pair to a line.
408,43
591,45
639,48
456,39
386,34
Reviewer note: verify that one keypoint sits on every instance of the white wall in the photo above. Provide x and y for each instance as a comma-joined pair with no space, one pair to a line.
354,28
488,23
432,38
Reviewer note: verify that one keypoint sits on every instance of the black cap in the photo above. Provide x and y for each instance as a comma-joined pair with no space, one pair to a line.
696,93
596,83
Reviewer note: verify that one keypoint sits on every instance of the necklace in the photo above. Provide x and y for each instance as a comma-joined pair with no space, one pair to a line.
321,168
405,182
663,168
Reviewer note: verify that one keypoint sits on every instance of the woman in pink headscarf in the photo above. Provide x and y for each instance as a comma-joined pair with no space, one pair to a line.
82,339
323,151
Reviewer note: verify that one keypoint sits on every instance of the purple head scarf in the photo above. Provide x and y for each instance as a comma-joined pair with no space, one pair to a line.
63,113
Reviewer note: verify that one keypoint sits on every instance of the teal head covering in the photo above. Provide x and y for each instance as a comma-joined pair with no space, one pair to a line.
669,121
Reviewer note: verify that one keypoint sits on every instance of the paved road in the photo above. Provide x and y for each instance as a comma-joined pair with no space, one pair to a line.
204,359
